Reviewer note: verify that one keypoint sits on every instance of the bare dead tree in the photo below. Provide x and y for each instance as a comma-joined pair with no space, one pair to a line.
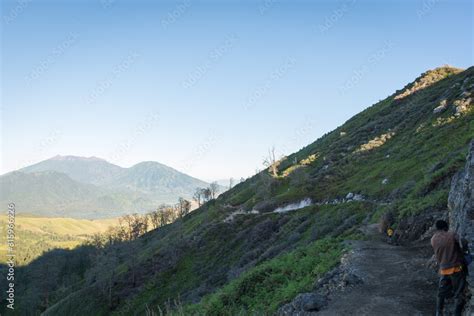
184,207
198,196
127,222
164,217
271,162
214,188
154,217
207,195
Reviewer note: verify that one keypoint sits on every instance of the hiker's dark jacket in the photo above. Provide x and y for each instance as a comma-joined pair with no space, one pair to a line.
447,250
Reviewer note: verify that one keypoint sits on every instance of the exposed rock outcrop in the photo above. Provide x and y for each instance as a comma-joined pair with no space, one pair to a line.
461,209
305,304
417,227
427,79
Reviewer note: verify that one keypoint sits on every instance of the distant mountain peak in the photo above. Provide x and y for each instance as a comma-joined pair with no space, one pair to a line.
75,158
91,186
148,164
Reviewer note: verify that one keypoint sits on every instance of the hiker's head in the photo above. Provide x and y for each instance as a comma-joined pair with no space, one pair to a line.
441,225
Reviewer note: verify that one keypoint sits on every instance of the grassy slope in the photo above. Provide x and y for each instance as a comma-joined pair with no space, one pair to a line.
201,256
263,288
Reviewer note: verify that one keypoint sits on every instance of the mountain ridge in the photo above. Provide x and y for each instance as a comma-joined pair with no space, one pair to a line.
74,157
92,187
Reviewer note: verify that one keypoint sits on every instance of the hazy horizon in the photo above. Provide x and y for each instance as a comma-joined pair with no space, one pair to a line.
235,180
188,85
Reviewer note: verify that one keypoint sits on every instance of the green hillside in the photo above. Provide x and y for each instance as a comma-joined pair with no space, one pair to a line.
157,180
236,255
54,194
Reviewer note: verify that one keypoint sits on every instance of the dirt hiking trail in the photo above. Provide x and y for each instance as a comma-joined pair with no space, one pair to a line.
395,280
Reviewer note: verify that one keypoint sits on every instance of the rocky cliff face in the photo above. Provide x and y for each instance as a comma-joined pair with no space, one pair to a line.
461,208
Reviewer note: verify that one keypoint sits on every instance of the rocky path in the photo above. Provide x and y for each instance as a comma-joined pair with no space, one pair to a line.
395,280
374,278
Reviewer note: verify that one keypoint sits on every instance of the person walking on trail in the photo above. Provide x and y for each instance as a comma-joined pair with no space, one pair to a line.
452,267
390,235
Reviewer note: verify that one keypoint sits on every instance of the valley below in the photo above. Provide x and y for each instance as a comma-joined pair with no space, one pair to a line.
36,235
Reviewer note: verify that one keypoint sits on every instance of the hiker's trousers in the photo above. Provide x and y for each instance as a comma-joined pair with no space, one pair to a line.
452,286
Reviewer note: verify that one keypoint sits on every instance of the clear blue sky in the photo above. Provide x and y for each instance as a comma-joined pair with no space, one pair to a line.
208,86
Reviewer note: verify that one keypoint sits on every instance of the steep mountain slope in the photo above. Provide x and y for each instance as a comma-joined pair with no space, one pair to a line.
71,186
236,255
